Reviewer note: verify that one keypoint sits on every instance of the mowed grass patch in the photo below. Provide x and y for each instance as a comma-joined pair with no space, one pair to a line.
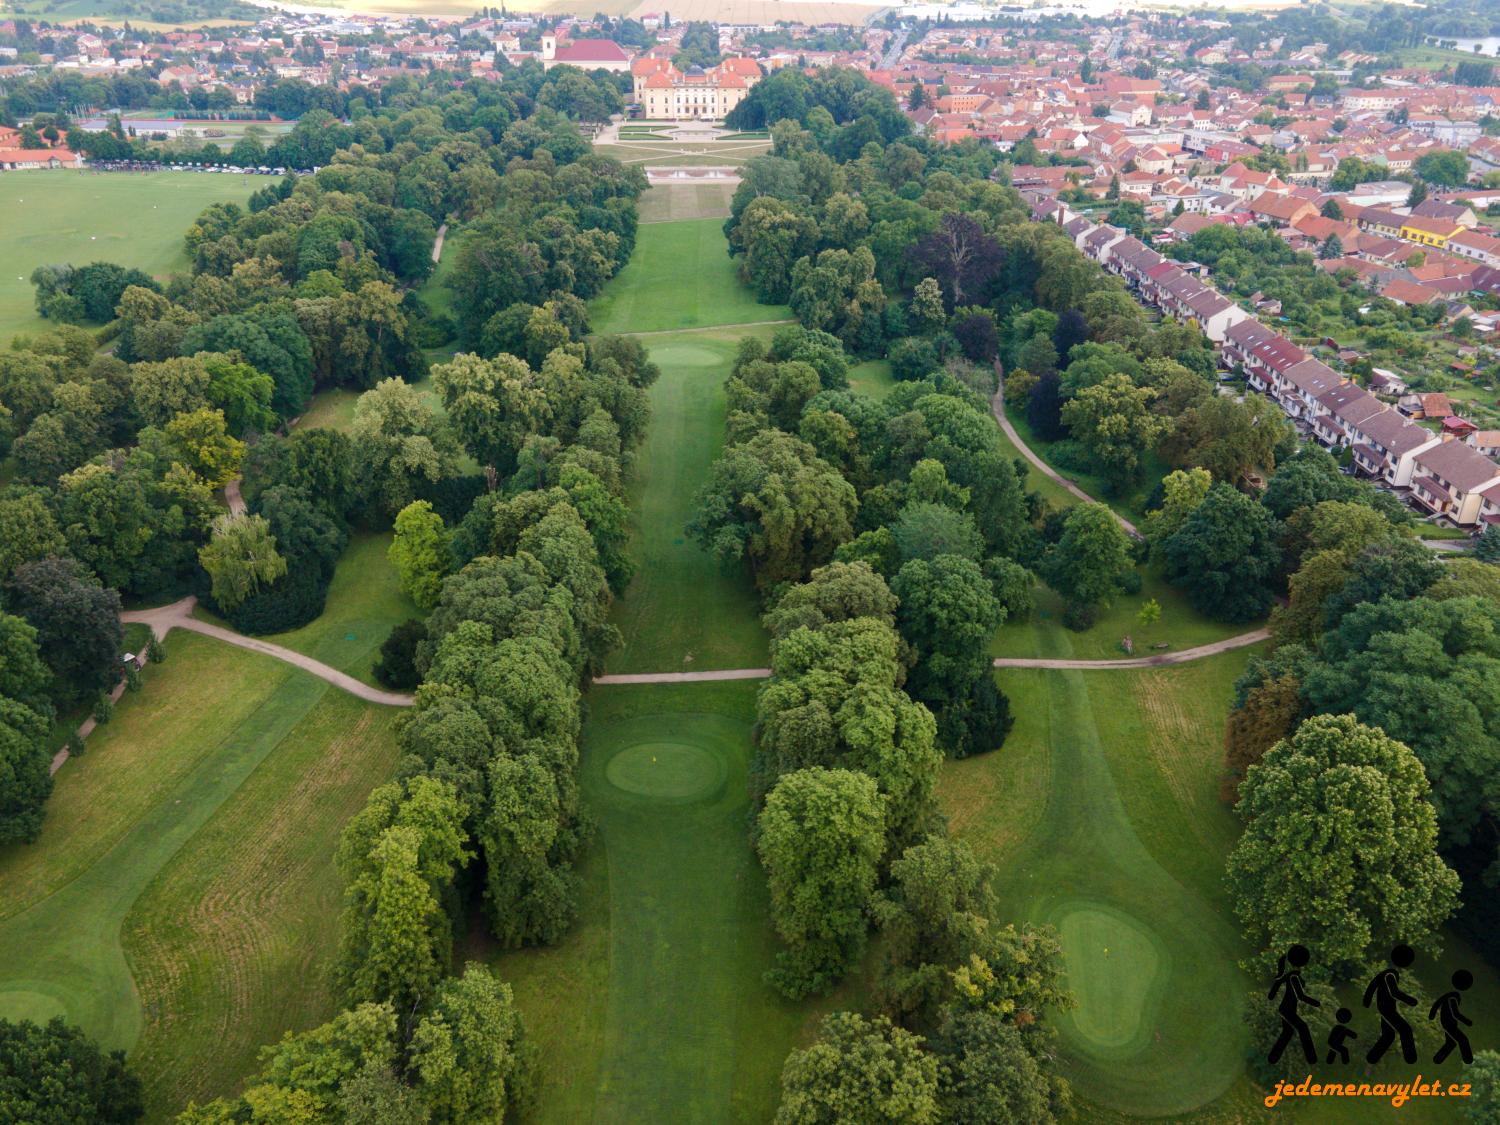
233,944
364,604
1072,809
680,276
683,154
674,924
131,218
675,202
684,611
872,377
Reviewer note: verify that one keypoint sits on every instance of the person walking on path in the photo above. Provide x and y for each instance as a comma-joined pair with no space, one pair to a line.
1385,990
1446,1012
1292,995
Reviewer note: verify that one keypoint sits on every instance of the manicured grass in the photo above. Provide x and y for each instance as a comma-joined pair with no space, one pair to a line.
365,603
683,154
675,202
154,861
1101,811
133,219
873,378
681,276
654,1009
684,611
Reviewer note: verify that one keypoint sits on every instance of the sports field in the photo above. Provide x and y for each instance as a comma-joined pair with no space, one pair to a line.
181,900
131,218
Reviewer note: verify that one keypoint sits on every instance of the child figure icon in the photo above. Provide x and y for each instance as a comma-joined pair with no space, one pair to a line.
1338,1038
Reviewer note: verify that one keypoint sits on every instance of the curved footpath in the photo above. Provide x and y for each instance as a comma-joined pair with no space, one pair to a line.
997,407
179,615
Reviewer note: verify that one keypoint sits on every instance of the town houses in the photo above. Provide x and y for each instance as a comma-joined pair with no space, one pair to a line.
1441,475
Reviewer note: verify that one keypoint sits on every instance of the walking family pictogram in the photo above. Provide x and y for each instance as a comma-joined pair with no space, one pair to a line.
1385,994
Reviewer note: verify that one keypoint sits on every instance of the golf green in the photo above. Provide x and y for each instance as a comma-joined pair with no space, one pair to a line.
1115,970
667,771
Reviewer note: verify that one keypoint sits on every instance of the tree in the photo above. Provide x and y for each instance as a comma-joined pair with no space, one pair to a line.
859,1070
925,530
1417,194
419,552
242,393
1112,420
202,437
28,531
935,915
832,593
1425,672
25,723
927,314
1230,439
1044,407
1340,849
493,405
773,502
241,558
397,443
1182,491
469,1052
821,835
1447,169
77,623
948,614
1225,556
1087,564
56,1074
988,1075
963,258
1269,713
1333,247
1332,210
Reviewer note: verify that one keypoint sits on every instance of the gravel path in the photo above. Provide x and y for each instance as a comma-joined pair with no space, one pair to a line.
997,406
178,615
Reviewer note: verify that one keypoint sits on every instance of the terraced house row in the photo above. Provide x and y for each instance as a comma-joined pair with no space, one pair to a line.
1438,473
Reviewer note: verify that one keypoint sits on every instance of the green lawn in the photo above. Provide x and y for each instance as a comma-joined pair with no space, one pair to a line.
133,219
654,1009
365,603
681,276
1101,812
873,378
684,611
676,202
1131,504
179,899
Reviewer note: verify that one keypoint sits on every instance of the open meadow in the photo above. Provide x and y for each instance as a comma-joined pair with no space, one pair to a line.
181,901
130,218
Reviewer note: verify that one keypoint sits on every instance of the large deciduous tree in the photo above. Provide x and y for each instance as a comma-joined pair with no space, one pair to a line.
1225,556
77,623
1340,848
859,1070
821,835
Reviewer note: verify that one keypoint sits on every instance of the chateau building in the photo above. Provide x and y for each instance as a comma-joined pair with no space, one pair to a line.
666,93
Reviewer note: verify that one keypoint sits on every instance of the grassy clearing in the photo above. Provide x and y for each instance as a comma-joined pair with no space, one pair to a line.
674,202
158,799
365,603
233,943
134,219
873,378
681,276
667,1016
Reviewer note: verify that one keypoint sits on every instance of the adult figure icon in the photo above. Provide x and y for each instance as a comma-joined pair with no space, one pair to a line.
1445,1011
1289,984
1385,991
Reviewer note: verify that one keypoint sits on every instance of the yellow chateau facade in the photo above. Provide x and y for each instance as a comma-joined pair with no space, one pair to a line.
666,93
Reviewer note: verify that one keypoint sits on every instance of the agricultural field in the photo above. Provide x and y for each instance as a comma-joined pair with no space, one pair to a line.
131,218
181,901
